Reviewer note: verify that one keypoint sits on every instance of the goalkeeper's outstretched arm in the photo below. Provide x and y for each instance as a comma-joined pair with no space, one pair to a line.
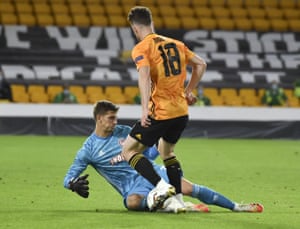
80,185
73,180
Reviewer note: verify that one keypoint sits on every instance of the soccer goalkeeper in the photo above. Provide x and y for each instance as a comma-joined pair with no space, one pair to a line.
102,151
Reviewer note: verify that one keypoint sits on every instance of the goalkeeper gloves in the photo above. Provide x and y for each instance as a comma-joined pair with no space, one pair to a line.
80,186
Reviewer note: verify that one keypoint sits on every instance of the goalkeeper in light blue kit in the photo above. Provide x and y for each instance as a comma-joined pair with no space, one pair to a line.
102,151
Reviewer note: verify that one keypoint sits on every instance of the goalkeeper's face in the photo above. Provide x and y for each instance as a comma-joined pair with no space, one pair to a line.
108,121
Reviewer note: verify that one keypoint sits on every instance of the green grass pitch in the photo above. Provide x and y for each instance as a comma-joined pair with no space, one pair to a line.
32,169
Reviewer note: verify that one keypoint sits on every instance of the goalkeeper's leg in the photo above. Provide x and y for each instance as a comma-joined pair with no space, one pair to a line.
136,202
206,195
211,197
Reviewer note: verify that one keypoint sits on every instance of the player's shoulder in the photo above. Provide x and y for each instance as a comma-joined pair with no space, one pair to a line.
171,39
90,139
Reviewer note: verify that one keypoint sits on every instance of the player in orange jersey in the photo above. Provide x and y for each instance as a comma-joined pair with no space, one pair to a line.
161,62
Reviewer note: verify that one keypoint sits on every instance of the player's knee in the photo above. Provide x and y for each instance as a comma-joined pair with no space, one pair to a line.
133,202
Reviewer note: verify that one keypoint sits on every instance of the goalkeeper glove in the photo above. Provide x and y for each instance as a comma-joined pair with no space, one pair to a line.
80,186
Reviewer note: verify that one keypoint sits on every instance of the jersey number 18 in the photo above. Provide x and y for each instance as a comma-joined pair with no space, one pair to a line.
171,58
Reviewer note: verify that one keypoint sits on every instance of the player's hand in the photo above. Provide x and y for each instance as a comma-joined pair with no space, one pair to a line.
80,186
190,98
145,121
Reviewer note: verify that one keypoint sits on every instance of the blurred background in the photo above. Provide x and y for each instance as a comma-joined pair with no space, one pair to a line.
78,52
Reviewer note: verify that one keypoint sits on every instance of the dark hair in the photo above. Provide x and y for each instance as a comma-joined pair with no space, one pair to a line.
103,106
140,15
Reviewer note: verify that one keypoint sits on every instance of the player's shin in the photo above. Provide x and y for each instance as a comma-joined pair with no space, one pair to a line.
144,167
209,196
174,172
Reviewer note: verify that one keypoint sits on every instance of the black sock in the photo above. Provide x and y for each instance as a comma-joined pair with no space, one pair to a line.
174,172
144,167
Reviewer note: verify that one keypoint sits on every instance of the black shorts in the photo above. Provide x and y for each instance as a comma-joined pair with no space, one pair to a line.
170,130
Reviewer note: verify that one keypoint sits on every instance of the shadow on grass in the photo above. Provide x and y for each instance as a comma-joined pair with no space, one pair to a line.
107,210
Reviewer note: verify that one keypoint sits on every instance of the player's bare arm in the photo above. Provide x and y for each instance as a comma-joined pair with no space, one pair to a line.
145,90
198,69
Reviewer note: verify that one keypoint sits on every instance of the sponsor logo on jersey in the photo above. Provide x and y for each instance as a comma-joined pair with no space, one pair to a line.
137,59
117,159
101,153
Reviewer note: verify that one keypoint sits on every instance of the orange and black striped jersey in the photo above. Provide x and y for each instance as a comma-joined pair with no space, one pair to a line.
167,59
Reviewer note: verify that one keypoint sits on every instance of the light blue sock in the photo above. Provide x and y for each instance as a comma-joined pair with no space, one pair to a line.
209,196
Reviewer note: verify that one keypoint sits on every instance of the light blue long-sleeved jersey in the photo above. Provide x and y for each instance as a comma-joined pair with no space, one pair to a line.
99,152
